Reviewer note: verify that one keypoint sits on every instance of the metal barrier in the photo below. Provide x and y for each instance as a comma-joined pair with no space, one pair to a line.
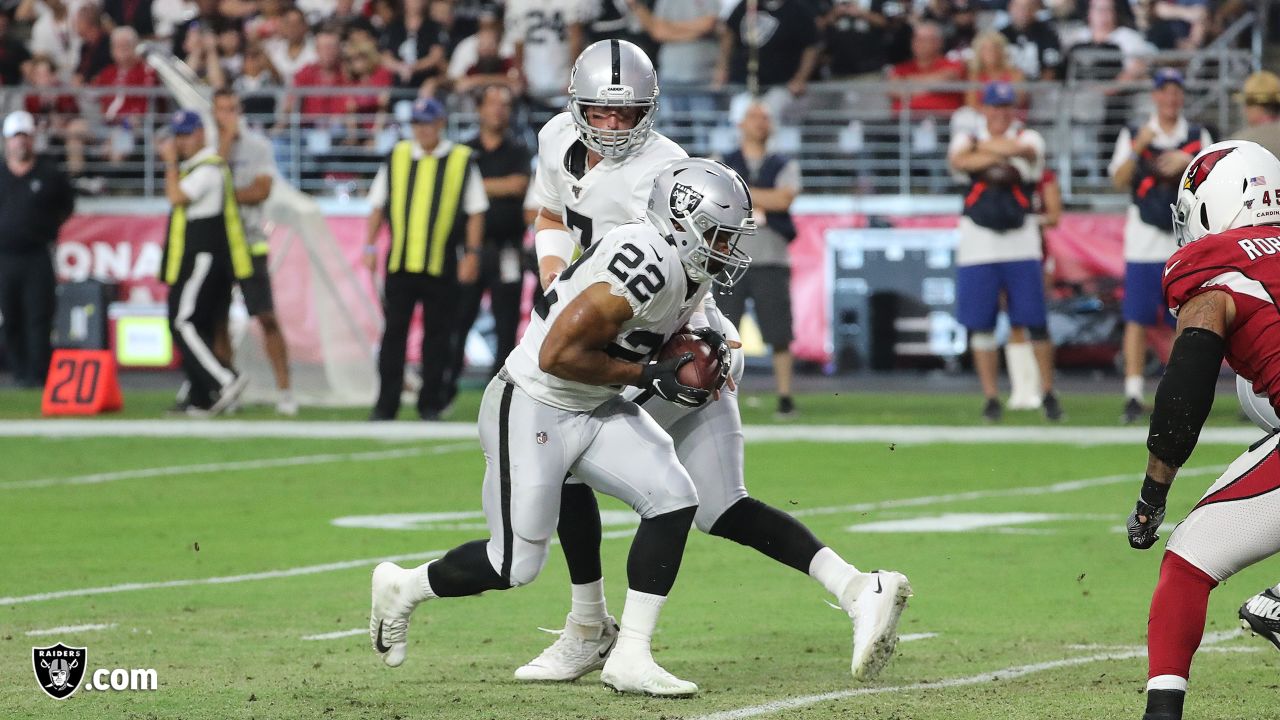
846,135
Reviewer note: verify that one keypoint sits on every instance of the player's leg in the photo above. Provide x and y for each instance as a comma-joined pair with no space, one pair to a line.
977,304
527,446
1233,526
1024,289
632,459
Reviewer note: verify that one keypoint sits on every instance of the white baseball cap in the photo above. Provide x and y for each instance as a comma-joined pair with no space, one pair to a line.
19,122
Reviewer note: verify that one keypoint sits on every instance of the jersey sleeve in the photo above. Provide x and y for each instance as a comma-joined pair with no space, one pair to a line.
633,265
1214,264
545,192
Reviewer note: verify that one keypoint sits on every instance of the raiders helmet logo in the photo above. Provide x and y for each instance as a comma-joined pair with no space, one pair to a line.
1200,169
59,669
683,200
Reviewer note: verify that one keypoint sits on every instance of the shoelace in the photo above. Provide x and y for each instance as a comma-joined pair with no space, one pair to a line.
394,631
564,647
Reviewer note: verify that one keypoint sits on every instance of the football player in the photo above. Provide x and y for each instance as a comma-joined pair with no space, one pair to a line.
1222,285
555,408
593,165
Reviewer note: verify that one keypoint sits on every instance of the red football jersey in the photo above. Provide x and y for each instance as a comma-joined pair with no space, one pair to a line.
1246,264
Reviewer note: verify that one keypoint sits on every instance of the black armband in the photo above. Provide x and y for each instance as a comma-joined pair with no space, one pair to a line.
1153,493
1185,395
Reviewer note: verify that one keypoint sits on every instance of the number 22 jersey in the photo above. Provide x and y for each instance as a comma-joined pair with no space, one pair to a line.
638,264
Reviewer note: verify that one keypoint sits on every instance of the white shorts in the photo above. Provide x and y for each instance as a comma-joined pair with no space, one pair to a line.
1237,522
529,448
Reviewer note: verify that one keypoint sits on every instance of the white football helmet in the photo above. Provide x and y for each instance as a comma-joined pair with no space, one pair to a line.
1222,190
1256,407
613,73
703,205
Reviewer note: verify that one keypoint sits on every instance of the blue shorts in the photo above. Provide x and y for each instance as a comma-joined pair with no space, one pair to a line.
1144,294
978,294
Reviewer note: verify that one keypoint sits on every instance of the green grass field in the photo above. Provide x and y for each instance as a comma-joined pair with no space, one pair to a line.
1045,575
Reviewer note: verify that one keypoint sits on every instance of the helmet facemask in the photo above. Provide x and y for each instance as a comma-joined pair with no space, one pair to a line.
715,255
623,141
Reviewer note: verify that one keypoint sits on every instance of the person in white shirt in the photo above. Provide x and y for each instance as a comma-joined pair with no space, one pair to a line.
548,35
1147,162
294,49
1000,253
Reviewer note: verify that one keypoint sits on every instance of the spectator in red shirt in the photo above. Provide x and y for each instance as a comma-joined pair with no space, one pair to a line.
366,110
326,71
927,63
127,71
56,112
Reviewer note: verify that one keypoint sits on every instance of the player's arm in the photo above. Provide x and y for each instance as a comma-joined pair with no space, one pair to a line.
574,349
554,245
1183,401
970,159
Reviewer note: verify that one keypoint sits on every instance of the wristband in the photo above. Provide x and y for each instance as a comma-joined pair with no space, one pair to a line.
1153,493
554,243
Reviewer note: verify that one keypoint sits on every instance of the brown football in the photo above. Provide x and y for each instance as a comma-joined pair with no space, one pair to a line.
703,371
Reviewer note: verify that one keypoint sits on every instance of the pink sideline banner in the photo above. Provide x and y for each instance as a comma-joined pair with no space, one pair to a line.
126,250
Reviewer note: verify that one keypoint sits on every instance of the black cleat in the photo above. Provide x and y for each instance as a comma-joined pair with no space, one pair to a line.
1260,615
1164,705
1133,411
1052,408
992,411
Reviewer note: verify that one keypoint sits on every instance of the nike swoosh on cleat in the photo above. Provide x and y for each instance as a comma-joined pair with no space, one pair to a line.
377,645
605,651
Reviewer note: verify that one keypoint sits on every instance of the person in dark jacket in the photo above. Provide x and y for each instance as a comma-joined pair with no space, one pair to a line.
35,200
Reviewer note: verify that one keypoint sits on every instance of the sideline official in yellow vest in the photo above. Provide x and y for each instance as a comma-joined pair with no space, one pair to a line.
430,193
204,254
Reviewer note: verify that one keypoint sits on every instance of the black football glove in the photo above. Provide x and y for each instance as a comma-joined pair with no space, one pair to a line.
1142,535
660,377
721,348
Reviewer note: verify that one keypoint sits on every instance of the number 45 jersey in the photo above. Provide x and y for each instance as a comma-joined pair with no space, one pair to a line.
638,264
593,202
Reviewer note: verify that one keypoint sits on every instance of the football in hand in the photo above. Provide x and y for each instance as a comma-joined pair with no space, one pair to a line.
1001,175
703,371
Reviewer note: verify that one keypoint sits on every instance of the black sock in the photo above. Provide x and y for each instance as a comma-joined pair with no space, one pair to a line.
464,570
657,551
767,529
1164,705
579,532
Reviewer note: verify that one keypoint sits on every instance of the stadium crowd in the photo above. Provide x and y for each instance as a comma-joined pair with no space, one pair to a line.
371,53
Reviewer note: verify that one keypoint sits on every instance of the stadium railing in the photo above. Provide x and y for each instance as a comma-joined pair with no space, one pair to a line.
846,135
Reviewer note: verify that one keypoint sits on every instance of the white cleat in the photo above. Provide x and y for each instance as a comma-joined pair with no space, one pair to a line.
580,649
389,618
874,602
633,670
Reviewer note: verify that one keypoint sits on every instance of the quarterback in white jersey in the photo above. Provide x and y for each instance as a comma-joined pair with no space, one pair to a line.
613,99
555,409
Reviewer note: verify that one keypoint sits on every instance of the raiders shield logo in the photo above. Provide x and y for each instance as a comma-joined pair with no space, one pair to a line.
59,669
577,191
683,200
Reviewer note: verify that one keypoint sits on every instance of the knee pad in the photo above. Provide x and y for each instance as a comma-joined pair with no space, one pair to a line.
983,341
1038,334
528,561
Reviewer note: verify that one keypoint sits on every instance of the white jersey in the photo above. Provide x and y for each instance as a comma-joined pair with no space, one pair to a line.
543,27
593,202
639,264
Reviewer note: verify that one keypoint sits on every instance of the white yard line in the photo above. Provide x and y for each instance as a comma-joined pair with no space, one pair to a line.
204,468
1009,673
69,629
897,434
348,564
338,634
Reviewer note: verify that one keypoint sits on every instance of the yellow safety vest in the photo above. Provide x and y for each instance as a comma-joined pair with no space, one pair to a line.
241,263
421,215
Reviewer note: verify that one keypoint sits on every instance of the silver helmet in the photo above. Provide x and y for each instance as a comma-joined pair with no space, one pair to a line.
615,74
704,207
